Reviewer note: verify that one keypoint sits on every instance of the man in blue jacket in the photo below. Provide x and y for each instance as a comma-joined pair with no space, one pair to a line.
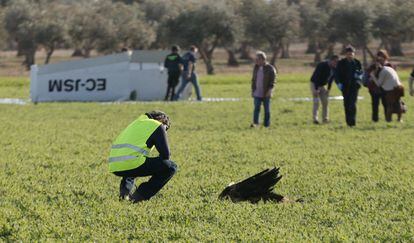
189,74
320,85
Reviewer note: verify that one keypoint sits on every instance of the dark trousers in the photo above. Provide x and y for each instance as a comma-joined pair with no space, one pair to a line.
173,79
376,98
266,105
350,100
161,171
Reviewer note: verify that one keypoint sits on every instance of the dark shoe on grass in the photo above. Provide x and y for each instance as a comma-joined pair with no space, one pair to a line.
136,197
125,188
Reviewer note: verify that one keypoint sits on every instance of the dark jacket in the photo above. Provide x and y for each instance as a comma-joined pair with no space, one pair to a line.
269,78
172,62
347,72
322,75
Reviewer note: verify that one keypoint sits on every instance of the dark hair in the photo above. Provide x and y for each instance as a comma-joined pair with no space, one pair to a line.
384,54
333,57
349,48
175,48
161,117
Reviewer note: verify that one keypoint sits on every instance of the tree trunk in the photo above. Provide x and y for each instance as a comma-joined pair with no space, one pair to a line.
275,53
318,56
207,56
87,52
20,51
364,57
232,60
29,57
311,47
49,53
285,51
396,49
331,50
77,53
245,52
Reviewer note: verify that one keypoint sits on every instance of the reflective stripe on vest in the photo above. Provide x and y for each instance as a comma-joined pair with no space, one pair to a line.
129,149
126,145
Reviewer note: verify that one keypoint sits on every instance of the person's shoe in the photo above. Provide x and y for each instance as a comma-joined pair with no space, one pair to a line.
125,188
326,121
253,125
136,197
316,122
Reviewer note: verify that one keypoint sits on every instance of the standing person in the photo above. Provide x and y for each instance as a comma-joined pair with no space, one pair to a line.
263,82
173,62
387,78
376,92
320,86
189,74
129,156
348,75
410,83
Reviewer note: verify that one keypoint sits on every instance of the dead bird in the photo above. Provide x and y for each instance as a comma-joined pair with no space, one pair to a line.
256,188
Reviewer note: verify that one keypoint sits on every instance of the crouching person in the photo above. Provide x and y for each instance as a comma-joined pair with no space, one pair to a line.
129,156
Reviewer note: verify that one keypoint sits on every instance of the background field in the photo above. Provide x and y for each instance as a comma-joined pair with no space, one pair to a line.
356,183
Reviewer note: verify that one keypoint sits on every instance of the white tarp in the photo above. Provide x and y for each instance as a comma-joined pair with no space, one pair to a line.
119,77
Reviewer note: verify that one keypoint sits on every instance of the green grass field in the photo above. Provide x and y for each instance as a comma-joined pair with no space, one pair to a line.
357,184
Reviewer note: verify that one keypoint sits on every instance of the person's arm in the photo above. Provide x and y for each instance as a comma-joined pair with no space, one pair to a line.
331,78
380,80
166,62
190,68
272,80
159,139
316,76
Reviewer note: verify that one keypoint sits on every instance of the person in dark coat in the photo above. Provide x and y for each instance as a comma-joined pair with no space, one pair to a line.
348,77
320,85
173,63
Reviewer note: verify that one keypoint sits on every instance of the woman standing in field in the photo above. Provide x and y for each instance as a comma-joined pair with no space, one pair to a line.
387,79
377,94
263,82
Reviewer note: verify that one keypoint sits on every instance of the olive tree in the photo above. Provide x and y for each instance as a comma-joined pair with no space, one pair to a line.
269,22
206,27
351,23
394,24
20,24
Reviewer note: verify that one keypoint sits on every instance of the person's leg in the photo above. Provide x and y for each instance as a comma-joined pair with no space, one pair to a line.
266,106
324,95
375,98
383,101
161,171
174,84
126,186
353,107
257,102
346,107
168,86
315,103
194,81
184,82
389,106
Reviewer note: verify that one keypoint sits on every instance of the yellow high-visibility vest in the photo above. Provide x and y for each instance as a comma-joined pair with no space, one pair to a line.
130,149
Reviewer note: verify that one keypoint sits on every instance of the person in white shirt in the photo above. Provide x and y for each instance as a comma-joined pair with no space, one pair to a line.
387,78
